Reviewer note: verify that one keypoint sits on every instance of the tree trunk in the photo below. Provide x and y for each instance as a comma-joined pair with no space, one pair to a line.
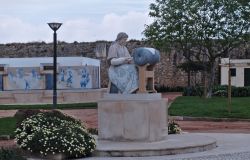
204,80
211,79
189,76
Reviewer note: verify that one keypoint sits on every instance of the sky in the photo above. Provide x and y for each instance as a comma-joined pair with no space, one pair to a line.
83,20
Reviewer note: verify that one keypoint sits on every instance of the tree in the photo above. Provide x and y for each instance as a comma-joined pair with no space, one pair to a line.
204,30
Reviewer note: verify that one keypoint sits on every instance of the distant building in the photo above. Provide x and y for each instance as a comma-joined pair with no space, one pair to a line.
240,72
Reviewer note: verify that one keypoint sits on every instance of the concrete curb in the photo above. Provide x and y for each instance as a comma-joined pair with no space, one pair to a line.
173,144
186,118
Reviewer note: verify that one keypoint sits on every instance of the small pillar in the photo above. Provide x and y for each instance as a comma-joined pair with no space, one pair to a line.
146,79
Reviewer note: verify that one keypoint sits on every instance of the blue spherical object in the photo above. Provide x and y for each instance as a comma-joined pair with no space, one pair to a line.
145,55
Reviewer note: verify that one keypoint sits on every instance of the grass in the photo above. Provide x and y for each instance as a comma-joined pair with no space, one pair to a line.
50,106
215,107
7,126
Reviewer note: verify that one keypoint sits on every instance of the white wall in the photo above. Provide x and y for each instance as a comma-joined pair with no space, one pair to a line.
240,65
237,81
62,61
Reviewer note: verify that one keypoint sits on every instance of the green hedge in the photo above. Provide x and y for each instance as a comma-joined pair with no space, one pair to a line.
235,91
241,91
220,90
163,88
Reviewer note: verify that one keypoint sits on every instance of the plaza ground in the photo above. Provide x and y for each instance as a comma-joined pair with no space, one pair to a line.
222,131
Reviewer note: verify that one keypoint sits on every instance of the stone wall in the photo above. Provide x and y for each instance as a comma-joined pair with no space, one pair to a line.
166,71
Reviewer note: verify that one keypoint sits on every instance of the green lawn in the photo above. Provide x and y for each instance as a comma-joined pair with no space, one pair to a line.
7,126
215,107
50,106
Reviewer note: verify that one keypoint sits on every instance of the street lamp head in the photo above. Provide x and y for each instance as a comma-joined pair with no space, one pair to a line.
54,26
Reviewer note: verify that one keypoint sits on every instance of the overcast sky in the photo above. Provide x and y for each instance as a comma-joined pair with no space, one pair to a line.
83,20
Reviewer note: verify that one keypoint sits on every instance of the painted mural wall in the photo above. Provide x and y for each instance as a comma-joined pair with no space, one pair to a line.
78,77
69,77
24,78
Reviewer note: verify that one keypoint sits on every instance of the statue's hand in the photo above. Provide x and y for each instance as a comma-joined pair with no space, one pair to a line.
129,60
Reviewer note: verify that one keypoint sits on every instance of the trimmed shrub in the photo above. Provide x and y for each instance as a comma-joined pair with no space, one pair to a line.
220,93
240,91
51,133
235,91
193,91
219,87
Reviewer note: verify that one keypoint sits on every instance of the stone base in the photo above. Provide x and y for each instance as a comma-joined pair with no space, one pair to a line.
175,144
132,117
46,96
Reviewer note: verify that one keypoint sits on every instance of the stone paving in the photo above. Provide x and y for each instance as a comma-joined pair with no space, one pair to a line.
230,156
215,127
231,146
88,116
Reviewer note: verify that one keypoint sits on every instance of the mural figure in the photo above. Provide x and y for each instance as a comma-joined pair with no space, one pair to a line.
11,76
61,75
20,79
84,78
35,75
20,73
122,71
27,85
69,79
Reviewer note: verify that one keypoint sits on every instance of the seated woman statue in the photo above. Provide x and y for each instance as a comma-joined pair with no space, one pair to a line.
122,71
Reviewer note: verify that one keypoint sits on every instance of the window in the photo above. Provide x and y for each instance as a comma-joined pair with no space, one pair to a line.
233,72
1,68
48,67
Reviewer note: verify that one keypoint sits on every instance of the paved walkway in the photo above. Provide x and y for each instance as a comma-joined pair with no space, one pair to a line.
230,147
7,113
215,127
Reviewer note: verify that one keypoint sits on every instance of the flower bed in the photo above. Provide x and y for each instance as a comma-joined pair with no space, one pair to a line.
173,128
54,133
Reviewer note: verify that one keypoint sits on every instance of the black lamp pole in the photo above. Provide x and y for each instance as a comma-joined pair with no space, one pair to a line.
55,27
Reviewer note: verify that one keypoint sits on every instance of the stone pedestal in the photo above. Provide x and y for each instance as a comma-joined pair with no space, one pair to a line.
132,117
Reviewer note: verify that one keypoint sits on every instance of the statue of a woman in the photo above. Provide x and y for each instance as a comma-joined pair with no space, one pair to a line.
122,71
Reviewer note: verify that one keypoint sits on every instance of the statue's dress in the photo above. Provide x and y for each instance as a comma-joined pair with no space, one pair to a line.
124,76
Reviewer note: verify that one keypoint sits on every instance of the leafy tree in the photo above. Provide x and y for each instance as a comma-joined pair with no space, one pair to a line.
204,30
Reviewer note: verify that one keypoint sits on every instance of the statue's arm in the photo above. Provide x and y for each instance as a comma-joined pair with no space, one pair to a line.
119,61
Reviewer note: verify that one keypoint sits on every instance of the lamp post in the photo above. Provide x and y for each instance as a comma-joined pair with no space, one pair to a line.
229,89
54,27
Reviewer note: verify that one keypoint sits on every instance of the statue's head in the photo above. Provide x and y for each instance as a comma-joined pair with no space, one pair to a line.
121,37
